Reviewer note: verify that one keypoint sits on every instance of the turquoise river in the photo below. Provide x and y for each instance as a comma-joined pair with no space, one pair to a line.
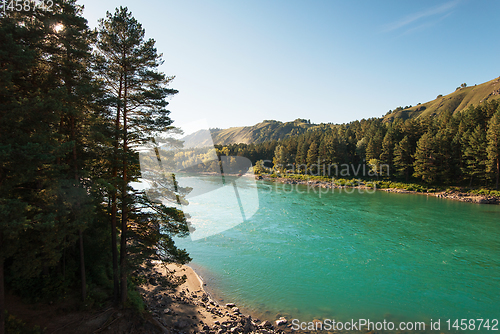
347,254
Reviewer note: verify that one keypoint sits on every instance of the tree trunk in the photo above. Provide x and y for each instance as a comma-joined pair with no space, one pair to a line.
114,208
2,291
498,171
123,243
114,245
82,267
83,277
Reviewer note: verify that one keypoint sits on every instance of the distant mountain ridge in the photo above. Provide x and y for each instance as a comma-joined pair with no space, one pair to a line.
268,130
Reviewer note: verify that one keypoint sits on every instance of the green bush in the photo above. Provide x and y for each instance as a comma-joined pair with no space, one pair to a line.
43,288
17,326
135,300
96,297
485,192
415,187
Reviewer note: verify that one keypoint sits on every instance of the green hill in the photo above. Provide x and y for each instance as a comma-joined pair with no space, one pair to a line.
264,131
268,130
459,100
258,133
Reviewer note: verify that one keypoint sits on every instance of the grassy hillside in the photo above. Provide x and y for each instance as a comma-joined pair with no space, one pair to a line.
457,101
258,133
268,130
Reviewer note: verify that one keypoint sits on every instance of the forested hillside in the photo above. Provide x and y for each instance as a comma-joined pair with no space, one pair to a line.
461,99
75,104
459,148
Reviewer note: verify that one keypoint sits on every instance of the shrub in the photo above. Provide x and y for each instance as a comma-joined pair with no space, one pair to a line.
134,300
17,326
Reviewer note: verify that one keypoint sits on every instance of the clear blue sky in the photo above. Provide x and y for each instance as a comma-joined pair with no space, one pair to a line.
240,62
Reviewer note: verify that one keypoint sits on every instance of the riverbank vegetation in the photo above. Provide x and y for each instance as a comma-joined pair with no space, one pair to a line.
454,149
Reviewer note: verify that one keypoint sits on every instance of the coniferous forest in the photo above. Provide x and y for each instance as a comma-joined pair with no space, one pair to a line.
75,104
461,148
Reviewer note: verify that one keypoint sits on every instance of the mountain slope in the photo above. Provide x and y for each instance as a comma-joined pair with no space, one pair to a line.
258,133
457,101
269,130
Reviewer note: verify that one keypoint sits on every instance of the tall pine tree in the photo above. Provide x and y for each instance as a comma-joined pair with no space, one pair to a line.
475,154
403,160
425,158
130,68
493,147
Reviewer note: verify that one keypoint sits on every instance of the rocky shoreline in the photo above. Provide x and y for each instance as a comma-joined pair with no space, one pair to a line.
453,195
456,196
189,309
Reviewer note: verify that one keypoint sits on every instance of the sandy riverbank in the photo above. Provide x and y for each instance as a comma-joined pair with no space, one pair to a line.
188,308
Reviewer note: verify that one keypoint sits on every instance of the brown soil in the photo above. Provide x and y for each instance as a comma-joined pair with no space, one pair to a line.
65,318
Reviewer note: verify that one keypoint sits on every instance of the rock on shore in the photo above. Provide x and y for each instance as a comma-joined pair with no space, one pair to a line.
457,196
189,309
454,195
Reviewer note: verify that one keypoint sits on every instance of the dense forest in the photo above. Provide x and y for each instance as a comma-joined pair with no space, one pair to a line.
451,148
75,105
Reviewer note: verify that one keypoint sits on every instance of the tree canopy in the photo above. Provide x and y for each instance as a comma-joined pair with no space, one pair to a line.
75,105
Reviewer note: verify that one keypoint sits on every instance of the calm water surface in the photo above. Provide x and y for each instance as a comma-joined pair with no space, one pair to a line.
347,256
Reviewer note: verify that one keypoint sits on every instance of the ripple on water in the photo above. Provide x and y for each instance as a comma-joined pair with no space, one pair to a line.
358,256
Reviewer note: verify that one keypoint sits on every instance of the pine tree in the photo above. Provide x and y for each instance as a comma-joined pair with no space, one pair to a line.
340,150
403,160
361,149
28,149
493,147
279,159
16,62
475,154
425,158
35,200
130,67
327,148
323,149
387,155
71,77
291,148
301,156
312,158
374,146
444,154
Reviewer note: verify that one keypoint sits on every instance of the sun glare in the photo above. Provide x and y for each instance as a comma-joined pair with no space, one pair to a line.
58,27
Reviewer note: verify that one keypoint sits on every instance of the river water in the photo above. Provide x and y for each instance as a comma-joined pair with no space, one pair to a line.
347,254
